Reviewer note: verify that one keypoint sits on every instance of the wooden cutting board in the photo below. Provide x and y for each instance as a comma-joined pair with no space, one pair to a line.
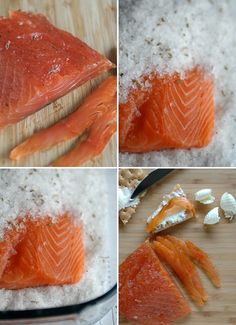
94,21
219,241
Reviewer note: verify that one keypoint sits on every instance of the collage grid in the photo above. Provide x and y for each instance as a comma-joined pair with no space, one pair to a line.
117,156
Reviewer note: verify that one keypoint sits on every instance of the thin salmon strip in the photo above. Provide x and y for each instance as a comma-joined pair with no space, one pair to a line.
182,270
45,253
97,103
204,262
165,111
147,294
190,267
40,63
171,258
200,257
99,136
181,243
172,208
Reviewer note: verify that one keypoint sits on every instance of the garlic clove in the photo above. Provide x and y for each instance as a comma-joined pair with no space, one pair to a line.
228,205
212,217
204,196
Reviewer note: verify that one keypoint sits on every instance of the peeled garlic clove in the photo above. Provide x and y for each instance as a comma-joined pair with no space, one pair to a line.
204,196
228,204
212,217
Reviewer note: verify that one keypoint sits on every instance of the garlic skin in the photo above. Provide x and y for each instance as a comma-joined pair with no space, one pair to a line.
204,196
228,205
212,217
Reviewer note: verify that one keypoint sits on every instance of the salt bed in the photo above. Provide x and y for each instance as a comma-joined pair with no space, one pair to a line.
40,192
172,35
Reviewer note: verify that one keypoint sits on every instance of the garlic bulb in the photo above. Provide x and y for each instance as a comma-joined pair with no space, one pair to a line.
212,217
204,196
228,204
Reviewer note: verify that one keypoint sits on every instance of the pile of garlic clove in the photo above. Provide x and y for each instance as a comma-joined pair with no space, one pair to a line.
227,204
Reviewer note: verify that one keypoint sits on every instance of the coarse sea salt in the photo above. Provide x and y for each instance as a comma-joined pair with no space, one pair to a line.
172,36
43,192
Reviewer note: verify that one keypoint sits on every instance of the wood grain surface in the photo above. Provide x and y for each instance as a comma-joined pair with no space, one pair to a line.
219,241
93,21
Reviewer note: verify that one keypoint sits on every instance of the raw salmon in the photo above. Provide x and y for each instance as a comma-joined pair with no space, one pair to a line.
99,136
40,63
100,101
7,247
202,259
42,252
147,294
183,267
168,112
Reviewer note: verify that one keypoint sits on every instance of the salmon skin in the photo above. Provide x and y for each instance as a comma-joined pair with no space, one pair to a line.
42,252
99,108
147,294
40,63
169,112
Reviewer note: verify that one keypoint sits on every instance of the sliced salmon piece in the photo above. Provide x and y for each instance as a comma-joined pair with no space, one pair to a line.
147,294
168,112
99,136
172,259
183,267
40,63
174,206
185,260
45,253
174,209
97,103
181,243
202,259
199,257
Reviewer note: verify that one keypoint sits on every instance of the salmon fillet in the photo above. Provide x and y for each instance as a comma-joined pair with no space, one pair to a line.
42,252
147,294
168,112
95,106
40,63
